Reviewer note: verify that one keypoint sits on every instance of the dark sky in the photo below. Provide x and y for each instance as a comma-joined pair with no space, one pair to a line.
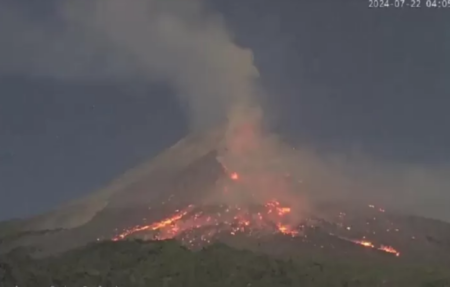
338,75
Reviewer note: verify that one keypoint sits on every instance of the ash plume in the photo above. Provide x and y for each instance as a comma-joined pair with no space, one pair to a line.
185,44
174,41
181,43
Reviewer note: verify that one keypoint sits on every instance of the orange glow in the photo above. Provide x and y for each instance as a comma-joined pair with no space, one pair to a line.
199,225
286,230
384,248
155,226
389,249
364,243
232,219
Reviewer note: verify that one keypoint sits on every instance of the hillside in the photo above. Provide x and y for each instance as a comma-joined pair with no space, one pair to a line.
207,215
167,263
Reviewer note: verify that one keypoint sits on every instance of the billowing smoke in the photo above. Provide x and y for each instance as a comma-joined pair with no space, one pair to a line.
183,43
175,41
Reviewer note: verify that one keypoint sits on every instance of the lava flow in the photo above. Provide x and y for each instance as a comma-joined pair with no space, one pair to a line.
198,225
155,226
387,249
270,217
210,221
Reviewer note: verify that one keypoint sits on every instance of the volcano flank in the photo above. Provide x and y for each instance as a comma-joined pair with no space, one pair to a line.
200,192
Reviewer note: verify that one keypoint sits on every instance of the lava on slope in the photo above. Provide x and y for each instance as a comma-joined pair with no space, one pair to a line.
197,226
369,244
271,217
251,207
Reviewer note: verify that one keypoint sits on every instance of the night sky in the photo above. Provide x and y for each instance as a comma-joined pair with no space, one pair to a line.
338,76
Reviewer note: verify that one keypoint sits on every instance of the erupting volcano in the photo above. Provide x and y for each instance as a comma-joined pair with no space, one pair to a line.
258,201
239,187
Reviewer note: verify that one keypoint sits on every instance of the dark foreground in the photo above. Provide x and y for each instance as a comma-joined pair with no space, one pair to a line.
167,263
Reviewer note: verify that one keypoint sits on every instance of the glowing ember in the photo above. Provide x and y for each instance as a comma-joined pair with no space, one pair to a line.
234,176
287,230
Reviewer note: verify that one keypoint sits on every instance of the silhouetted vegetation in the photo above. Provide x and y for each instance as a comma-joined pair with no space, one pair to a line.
167,263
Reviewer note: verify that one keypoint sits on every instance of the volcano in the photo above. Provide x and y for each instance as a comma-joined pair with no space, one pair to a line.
196,193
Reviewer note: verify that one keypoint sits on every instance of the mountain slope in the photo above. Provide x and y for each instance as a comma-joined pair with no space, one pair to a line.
188,193
166,263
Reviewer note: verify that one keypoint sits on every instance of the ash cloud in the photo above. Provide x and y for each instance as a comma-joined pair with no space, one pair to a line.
177,42
188,46
174,41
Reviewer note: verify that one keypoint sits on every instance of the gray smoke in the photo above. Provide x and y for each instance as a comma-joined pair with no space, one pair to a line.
188,46
175,41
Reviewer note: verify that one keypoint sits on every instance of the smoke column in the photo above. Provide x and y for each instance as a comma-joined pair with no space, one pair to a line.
178,42
183,43
175,41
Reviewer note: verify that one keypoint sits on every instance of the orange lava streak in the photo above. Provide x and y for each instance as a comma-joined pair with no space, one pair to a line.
272,217
364,243
155,226
387,249
368,244
234,219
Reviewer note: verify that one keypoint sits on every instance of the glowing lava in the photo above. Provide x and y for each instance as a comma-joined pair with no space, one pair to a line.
389,249
368,244
199,225
364,243
270,217
155,226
